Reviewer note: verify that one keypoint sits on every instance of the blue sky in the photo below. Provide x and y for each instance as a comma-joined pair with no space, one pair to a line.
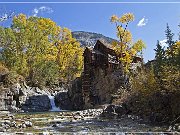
152,18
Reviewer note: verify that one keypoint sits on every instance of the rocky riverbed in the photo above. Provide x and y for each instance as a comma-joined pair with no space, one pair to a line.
86,121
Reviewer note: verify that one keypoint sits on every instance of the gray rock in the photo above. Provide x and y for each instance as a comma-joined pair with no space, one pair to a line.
6,98
28,123
18,94
75,94
38,103
6,126
10,116
178,128
7,122
110,108
19,125
23,126
2,129
63,101
120,110
113,111
13,124
55,125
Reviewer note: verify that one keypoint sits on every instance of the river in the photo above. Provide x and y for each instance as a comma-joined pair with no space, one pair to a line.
75,122
69,121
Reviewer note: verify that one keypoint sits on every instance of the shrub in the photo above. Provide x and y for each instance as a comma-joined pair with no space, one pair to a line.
3,69
144,82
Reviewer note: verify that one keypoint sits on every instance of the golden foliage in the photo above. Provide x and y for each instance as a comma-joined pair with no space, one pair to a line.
114,18
145,82
125,48
128,17
3,69
170,77
39,49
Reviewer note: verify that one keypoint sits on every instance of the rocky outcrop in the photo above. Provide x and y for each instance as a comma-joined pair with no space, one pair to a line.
34,100
18,96
5,99
37,103
63,101
75,94
105,86
71,96
11,98
114,111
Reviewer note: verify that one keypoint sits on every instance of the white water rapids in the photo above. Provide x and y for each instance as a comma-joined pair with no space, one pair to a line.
54,108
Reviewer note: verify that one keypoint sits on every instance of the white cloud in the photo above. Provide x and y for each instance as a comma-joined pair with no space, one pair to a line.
35,12
163,43
42,9
142,22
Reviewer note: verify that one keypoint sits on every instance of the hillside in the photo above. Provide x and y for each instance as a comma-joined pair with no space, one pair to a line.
90,38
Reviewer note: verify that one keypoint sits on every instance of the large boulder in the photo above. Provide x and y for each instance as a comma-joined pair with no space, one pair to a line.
37,103
63,101
114,111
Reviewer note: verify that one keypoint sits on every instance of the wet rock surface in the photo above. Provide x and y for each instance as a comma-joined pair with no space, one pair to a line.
9,122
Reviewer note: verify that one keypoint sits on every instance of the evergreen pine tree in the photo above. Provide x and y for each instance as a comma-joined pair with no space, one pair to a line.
170,43
179,33
169,36
160,58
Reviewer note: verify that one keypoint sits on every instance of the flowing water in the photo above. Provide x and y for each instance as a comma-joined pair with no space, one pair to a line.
58,121
53,106
61,122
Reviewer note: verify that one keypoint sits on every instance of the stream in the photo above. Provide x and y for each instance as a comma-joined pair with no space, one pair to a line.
58,121
73,122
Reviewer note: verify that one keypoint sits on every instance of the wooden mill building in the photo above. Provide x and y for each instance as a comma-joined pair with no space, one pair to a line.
102,56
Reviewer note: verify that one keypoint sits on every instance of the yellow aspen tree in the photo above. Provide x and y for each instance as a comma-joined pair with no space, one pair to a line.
125,48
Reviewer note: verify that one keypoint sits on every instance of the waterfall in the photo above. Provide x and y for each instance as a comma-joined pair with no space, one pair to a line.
54,108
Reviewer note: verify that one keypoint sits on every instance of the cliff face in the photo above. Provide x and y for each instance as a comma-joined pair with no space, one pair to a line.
11,98
3,99
18,98
76,95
